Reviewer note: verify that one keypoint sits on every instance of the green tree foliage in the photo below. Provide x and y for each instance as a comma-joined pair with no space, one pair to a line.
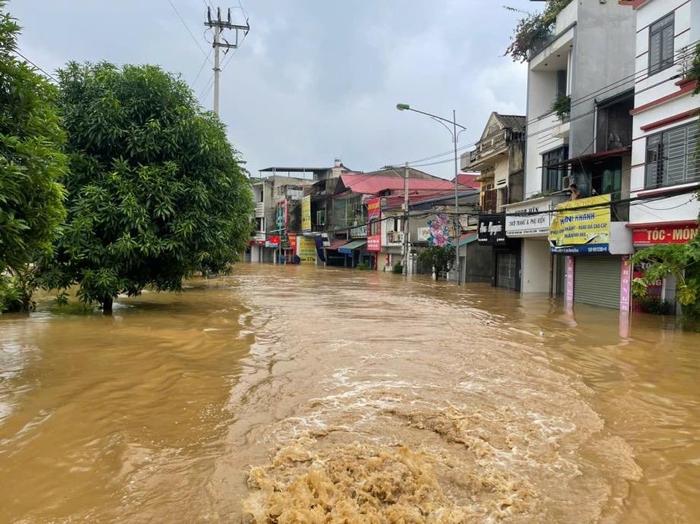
155,191
31,167
441,259
681,261
534,29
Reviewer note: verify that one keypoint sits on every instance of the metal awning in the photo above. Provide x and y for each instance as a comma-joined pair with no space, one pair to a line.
336,244
348,248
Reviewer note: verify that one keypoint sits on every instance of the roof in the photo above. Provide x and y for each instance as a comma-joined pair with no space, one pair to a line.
350,246
468,180
294,169
368,184
468,238
515,122
594,156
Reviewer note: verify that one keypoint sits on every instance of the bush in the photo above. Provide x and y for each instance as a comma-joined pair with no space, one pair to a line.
655,306
562,106
15,294
397,269
532,30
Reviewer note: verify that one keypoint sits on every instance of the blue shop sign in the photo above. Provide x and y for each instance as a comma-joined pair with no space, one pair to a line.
582,249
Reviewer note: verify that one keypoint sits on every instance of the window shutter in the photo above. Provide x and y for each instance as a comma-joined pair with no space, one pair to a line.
674,149
654,52
667,47
653,177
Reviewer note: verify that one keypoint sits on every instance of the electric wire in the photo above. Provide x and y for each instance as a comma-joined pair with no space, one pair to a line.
48,75
182,20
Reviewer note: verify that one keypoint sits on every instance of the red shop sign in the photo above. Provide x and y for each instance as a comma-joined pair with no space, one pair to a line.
293,243
374,243
665,234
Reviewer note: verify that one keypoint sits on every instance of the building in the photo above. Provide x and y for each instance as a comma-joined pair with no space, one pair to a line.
277,214
665,158
340,205
579,134
499,157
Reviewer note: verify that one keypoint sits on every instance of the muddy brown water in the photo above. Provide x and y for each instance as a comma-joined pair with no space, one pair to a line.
298,394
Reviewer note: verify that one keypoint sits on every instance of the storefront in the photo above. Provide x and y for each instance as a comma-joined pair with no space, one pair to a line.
661,295
596,252
505,271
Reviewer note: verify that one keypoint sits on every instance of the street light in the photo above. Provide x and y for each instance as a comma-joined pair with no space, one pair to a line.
455,136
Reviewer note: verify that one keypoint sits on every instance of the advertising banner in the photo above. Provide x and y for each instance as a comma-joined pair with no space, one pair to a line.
577,224
492,229
534,221
374,243
373,209
306,213
307,249
665,234
293,243
439,230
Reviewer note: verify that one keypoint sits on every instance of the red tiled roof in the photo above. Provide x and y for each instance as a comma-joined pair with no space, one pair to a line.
468,180
374,184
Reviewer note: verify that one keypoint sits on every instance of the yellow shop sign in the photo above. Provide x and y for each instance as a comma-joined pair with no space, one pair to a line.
577,223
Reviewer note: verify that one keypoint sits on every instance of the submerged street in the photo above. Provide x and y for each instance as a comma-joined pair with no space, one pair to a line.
284,392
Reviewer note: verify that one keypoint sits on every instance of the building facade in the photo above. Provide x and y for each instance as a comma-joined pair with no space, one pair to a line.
579,138
499,158
665,157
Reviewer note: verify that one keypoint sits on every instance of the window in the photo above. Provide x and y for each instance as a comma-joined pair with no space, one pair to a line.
661,45
321,217
672,157
552,175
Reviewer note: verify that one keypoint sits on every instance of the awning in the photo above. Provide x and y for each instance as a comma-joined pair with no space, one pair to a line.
593,157
467,239
336,244
348,248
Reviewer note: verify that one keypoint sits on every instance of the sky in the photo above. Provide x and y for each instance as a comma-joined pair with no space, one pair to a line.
314,80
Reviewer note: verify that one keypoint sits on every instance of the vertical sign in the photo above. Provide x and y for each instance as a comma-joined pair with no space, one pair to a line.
374,237
306,213
625,284
569,298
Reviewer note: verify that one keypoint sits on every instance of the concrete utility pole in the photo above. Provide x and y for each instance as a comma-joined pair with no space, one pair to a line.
218,25
405,219
458,226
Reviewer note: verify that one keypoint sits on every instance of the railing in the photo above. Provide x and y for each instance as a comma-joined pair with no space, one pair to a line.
260,210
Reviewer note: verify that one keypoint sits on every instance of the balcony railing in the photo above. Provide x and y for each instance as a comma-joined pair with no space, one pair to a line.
489,200
260,210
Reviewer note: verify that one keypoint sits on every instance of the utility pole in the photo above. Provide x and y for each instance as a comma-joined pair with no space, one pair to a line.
405,220
218,25
458,226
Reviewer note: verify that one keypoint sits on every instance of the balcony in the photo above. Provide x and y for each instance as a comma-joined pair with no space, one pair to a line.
485,150
260,210
394,237
489,201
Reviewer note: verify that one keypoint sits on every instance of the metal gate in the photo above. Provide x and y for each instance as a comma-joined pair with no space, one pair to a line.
507,270
597,281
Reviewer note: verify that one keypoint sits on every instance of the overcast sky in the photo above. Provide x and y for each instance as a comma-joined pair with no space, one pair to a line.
315,79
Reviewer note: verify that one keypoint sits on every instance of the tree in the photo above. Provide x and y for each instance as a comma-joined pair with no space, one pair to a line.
31,166
440,258
534,29
155,190
681,261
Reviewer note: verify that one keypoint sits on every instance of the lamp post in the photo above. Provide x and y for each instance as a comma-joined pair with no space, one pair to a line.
455,136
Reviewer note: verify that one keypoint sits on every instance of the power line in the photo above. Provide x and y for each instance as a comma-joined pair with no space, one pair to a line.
182,20
47,74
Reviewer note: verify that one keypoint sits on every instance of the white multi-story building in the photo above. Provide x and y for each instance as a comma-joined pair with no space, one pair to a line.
665,157
579,132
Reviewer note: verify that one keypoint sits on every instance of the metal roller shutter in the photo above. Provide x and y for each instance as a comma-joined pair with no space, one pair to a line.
507,271
597,281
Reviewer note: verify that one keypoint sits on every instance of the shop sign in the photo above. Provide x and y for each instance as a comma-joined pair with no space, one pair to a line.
439,230
625,284
528,220
578,228
422,234
374,209
272,241
306,213
374,243
358,232
569,268
665,234
492,229
307,249
293,243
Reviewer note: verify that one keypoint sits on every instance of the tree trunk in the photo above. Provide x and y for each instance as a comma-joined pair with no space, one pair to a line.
107,305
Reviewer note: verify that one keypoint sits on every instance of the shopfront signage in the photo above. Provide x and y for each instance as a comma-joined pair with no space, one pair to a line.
306,213
358,232
528,220
373,209
569,268
374,243
492,229
665,234
625,284
272,241
581,226
307,249
293,243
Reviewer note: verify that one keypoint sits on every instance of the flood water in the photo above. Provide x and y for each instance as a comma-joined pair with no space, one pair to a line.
296,394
